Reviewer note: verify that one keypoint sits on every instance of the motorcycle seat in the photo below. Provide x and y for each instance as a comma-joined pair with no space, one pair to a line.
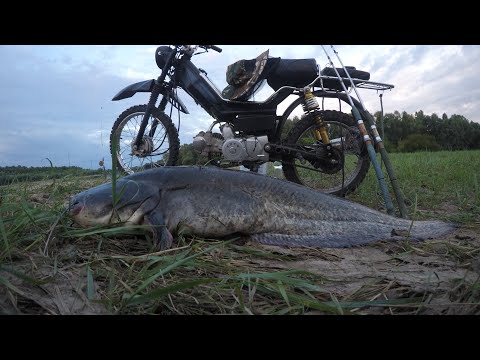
293,72
301,72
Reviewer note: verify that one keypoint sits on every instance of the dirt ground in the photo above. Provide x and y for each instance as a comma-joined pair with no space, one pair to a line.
444,274
387,271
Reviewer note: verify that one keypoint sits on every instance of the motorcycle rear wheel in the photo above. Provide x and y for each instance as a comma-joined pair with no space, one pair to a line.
161,150
353,159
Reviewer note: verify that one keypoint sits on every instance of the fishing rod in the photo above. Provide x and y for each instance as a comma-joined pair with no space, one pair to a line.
382,130
367,140
380,144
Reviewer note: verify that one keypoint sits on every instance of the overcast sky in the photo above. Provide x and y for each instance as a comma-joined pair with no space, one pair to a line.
55,101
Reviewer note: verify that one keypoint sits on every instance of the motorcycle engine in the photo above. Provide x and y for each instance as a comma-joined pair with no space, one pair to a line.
237,149
208,142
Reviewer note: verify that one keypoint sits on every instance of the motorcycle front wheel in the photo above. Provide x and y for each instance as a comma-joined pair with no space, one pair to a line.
339,174
160,149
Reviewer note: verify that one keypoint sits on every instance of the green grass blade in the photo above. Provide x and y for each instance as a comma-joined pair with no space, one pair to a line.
116,229
159,292
286,278
90,284
25,277
4,236
114,171
298,299
12,287
174,266
25,210
50,161
283,292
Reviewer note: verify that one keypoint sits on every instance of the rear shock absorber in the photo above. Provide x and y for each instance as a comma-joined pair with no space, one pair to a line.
311,104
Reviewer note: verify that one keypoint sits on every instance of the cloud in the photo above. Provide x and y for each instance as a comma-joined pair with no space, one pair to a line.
47,110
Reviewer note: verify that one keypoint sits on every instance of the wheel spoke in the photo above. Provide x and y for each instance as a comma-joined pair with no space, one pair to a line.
155,148
137,125
131,133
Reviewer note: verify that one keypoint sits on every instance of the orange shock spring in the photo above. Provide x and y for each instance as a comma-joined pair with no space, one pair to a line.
311,103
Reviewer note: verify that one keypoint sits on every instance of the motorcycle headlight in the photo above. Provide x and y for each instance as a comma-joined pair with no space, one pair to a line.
161,55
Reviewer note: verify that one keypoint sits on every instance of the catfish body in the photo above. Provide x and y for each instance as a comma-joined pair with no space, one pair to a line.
212,202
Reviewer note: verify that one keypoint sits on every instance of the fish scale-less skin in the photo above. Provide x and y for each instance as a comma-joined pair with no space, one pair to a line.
233,195
212,202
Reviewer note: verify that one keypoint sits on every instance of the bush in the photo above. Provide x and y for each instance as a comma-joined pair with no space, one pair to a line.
418,142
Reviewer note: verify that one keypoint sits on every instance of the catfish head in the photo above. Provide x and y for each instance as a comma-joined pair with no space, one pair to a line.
135,203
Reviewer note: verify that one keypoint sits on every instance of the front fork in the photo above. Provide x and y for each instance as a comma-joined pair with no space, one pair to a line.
148,112
156,90
162,106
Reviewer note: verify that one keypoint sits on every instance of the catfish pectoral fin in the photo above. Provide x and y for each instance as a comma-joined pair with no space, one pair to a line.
165,240
162,238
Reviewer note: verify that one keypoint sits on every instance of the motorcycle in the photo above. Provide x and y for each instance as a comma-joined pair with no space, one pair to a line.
323,149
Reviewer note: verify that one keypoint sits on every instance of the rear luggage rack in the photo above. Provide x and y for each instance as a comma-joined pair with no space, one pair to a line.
363,84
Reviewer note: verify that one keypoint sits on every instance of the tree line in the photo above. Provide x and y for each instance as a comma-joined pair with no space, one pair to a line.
404,132
417,132
11,174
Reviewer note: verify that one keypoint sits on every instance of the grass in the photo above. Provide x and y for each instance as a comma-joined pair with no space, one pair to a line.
49,267
442,184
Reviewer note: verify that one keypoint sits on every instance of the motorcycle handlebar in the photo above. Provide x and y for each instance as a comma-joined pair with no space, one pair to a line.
216,48
187,48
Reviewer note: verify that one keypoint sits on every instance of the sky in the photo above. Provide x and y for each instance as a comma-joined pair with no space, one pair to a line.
56,103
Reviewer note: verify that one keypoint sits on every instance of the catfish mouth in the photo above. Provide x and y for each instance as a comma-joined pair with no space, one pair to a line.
75,209
89,213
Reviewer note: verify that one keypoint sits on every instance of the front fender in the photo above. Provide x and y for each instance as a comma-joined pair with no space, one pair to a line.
146,86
